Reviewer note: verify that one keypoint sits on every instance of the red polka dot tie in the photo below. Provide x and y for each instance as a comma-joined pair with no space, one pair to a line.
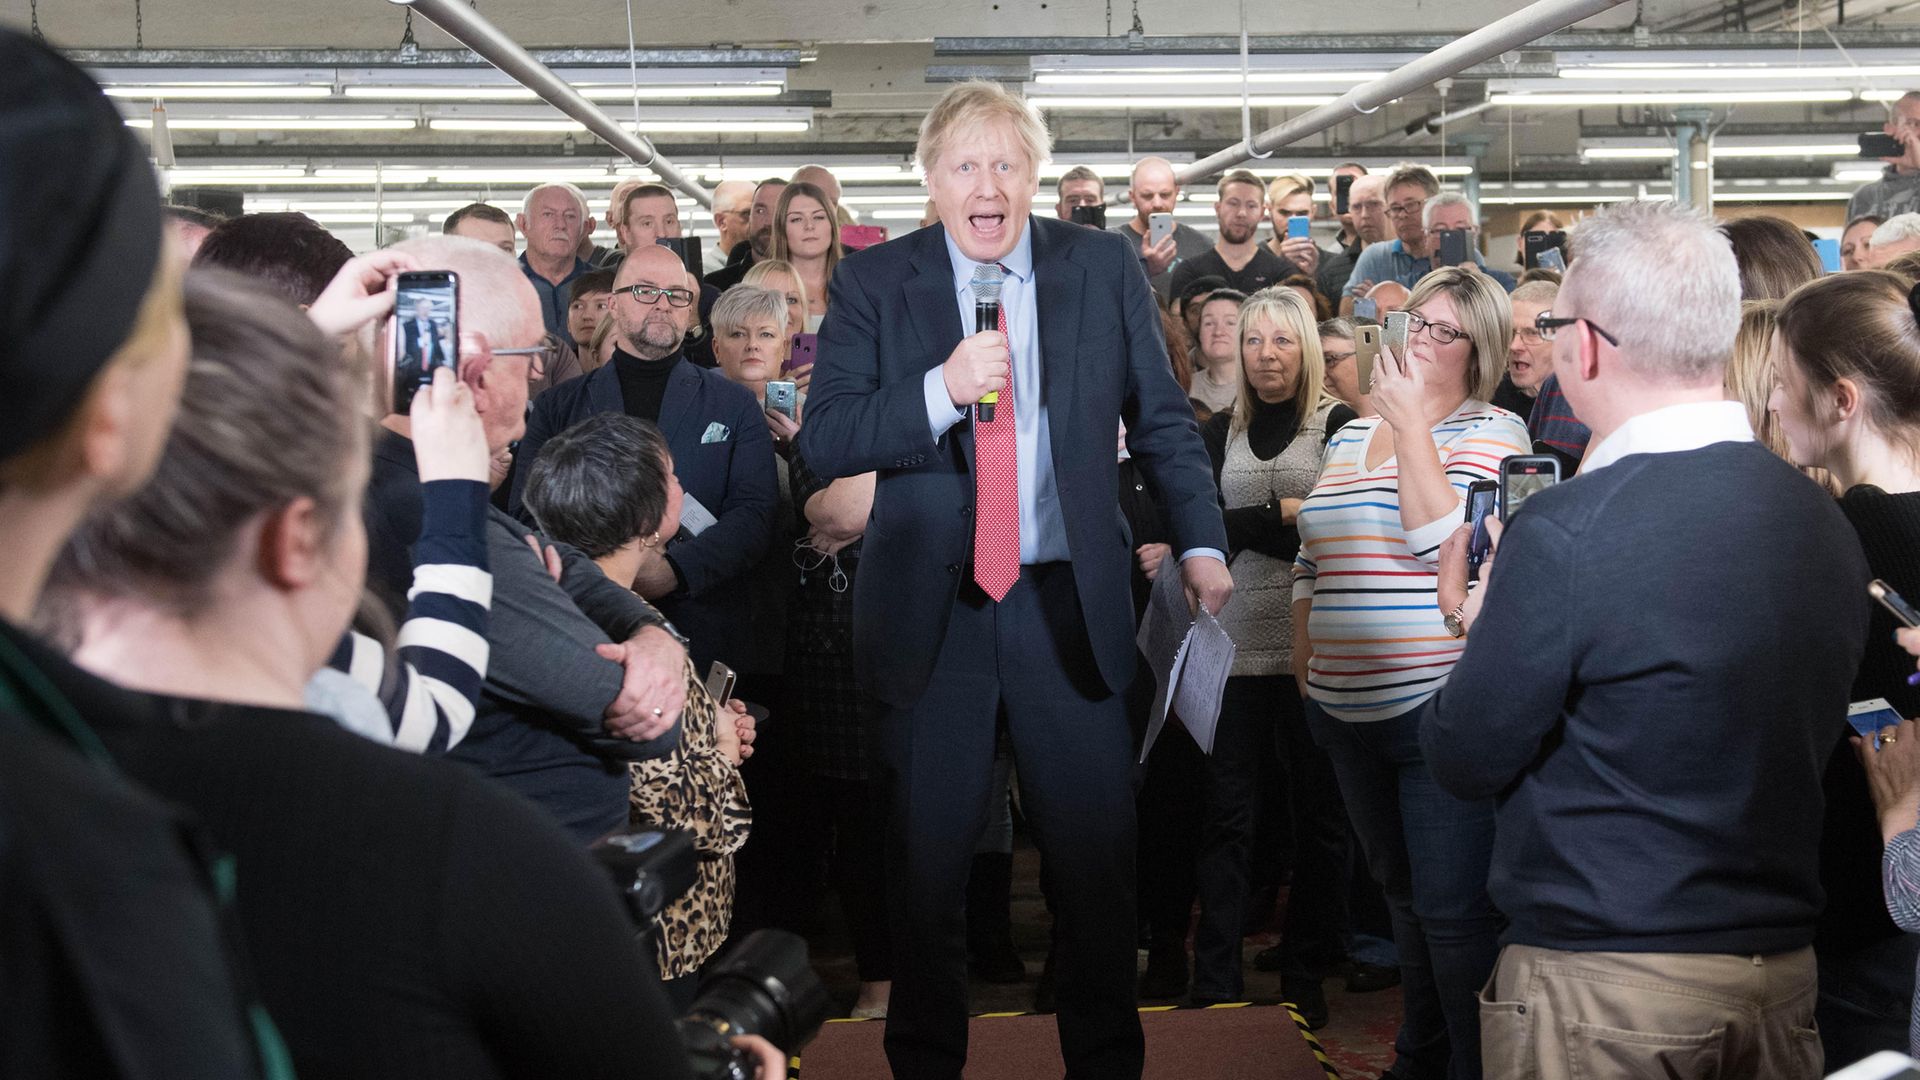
996,495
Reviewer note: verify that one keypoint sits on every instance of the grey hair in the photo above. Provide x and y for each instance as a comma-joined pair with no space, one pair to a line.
1895,229
1536,292
1448,198
745,304
1660,277
1341,328
579,198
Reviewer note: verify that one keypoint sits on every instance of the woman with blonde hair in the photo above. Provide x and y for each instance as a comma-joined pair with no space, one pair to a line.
1750,378
1266,452
780,276
1371,646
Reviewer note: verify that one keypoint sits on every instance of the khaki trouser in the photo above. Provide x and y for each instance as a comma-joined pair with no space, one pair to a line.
1549,1015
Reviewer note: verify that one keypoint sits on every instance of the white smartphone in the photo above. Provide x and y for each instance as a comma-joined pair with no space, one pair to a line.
1159,227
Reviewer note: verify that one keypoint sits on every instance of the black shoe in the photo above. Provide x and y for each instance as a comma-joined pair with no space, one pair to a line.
1267,959
1369,978
1308,999
1000,964
1165,977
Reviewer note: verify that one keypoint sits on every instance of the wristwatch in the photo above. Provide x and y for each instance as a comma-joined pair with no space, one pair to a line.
1455,625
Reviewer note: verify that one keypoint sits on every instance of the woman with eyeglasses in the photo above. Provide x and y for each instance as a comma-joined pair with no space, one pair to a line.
1343,373
1371,646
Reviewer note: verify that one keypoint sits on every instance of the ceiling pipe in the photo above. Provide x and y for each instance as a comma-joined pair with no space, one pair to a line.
467,26
1511,32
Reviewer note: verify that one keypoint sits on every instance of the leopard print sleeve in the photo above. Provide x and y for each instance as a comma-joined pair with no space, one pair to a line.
698,790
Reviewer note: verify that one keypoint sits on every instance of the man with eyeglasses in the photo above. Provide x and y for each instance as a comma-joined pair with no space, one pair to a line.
1408,256
1237,257
1898,191
733,217
765,203
722,453
1529,355
1652,696
583,676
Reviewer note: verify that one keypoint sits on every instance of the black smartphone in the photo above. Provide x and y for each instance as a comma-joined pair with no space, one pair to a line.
1536,244
1481,497
1879,144
1453,248
1894,602
424,333
1521,477
1094,216
687,247
1342,190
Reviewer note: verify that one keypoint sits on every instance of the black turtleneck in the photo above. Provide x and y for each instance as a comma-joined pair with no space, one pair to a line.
643,383
1270,429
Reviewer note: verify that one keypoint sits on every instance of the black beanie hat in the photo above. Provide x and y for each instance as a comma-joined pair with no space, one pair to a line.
80,237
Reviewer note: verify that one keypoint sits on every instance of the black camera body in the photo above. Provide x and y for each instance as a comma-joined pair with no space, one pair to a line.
762,986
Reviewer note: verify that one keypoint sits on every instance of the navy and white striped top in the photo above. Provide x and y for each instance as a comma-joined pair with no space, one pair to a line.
1380,647
429,696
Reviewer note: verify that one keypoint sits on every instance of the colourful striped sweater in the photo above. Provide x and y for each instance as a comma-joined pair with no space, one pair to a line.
1380,647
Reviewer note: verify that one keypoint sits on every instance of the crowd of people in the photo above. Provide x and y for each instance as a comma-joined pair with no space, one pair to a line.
312,700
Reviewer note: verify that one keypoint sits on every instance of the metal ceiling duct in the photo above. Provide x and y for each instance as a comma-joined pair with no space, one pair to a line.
1520,28
470,28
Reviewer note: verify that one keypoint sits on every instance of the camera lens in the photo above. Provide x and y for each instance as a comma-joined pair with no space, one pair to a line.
764,987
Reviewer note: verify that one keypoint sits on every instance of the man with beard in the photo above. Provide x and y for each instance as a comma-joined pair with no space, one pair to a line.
766,200
1237,257
722,453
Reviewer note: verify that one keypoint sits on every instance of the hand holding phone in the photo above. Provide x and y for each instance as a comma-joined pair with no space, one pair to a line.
423,333
1159,227
1521,477
1393,337
800,356
781,396
1482,495
1879,144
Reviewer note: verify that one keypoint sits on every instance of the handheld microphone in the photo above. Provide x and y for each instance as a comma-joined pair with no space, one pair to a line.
986,316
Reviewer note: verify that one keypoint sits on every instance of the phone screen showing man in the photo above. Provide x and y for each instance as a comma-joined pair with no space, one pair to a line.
426,331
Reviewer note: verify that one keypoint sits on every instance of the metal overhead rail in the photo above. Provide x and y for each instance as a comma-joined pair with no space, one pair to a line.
470,28
425,58
1527,25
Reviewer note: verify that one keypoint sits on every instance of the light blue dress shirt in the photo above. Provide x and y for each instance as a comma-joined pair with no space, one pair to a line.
1043,534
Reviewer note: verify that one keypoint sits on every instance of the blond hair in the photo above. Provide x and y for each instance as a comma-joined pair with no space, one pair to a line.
758,274
974,104
1287,311
1287,184
1485,314
1749,377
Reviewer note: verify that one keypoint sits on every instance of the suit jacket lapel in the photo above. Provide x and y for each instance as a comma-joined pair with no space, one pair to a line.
933,312
677,404
1058,285
603,394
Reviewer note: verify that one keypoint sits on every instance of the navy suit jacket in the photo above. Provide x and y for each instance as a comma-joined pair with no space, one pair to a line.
893,317
733,477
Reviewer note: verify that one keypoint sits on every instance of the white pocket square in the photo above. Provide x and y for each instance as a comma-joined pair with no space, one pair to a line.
716,432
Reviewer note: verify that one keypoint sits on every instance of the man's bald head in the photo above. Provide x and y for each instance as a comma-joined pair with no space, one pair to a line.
495,296
818,176
1154,189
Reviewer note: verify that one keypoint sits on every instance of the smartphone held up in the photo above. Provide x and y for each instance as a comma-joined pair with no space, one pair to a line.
423,332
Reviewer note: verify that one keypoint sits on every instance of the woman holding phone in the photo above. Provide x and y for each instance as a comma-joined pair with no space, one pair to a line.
1846,367
1370,646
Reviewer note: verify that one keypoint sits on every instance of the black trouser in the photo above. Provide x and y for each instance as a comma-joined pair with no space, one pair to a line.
1221,796
852,809
1025,659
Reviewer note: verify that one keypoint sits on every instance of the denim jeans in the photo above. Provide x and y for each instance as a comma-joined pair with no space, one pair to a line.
1430,852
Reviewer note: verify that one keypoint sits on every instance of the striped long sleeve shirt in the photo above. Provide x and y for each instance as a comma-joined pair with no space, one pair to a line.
429,695
1901,868
1380,647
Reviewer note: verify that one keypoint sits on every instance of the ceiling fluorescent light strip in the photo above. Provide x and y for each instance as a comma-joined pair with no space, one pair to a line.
219,93
529,127
1687,97
1201,78
592,93
1175,101
1770,73
279,123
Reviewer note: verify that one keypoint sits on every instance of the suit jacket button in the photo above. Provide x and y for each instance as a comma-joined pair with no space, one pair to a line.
953,568
966,511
